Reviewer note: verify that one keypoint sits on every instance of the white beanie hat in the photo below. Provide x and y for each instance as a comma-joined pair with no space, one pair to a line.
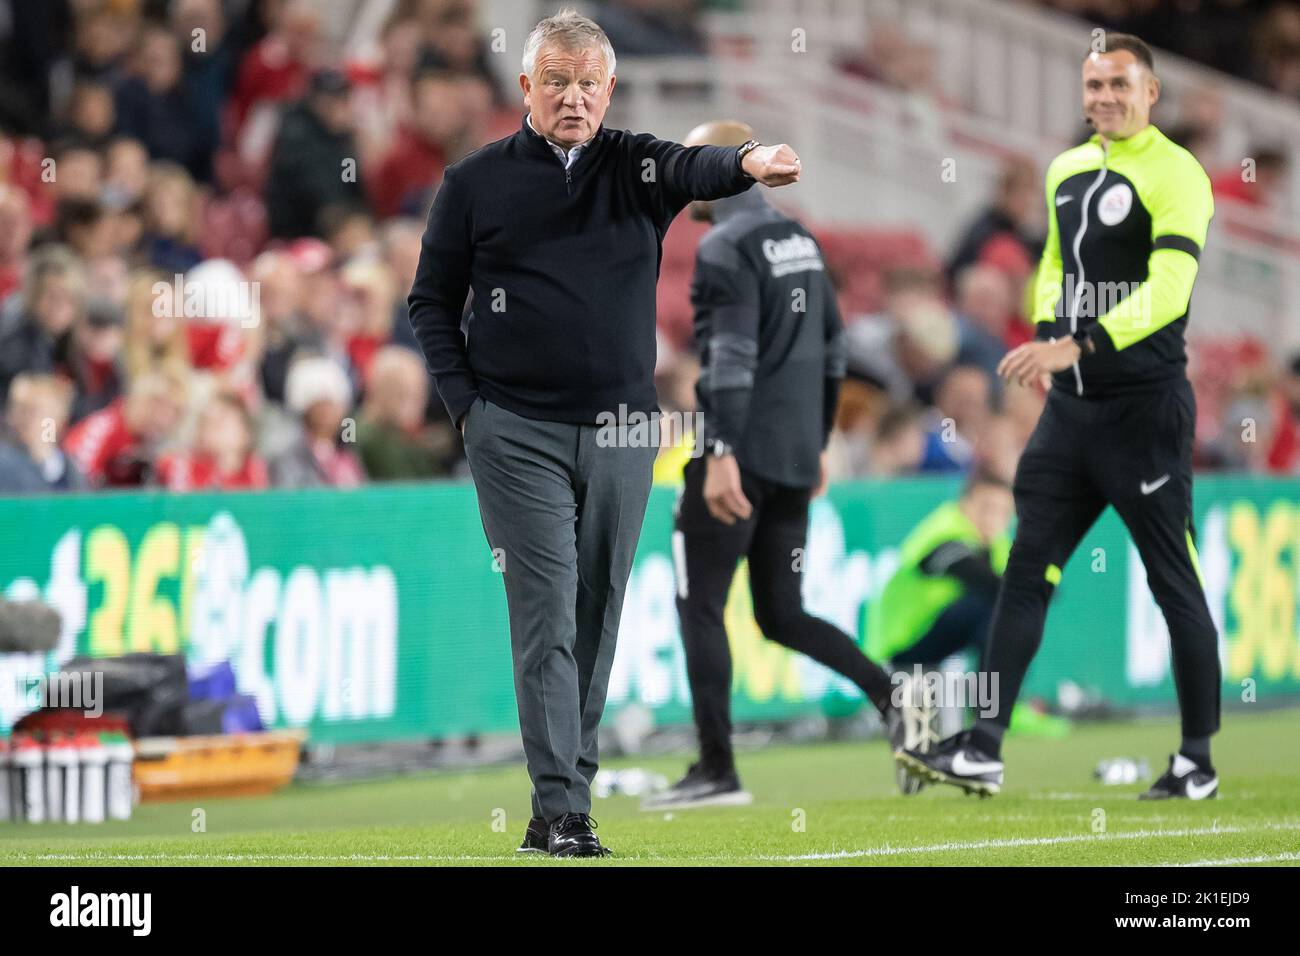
313,379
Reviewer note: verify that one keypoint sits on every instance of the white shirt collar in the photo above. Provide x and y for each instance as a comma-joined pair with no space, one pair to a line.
567,157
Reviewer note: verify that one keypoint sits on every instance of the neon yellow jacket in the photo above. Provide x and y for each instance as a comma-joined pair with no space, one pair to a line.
912,600
1126,225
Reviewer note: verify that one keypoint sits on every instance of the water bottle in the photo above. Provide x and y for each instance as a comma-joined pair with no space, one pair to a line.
121,757
1122,770
29,765
69,759
6,788
54,779
94,759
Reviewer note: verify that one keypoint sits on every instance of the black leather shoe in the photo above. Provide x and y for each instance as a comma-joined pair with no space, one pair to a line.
572,835
536,837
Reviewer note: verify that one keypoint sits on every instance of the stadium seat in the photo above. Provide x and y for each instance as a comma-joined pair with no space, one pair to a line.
857,259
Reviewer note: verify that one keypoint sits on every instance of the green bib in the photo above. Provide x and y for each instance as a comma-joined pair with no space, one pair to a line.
912,600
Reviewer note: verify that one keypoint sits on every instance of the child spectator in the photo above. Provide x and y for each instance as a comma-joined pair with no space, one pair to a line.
118,445
320,395
222,457
30,458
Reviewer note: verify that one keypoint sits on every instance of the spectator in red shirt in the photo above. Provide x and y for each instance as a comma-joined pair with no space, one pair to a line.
1284,448
275,71
15,234
24,165
424,146
117,446
220,315
383,84
222,457
1259,185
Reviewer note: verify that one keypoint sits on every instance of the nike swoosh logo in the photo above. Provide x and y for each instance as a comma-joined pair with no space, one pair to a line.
1198,793
1147,488
1062,200
968,768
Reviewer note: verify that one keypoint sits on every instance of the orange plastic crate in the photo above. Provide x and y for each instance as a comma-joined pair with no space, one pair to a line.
180,768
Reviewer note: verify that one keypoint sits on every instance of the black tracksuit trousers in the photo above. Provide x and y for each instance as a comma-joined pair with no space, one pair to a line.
1134,452
705,555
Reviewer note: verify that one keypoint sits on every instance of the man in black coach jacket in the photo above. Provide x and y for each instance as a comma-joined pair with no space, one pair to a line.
557,231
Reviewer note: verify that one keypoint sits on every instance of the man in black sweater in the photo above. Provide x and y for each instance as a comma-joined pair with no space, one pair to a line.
557,232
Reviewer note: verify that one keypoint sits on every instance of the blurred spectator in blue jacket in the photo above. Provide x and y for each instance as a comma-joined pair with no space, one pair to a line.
207,70
152,105
30,458
961,412
53,296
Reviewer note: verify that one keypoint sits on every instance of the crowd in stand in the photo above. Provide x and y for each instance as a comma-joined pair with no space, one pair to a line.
155,156
1257,40
209,222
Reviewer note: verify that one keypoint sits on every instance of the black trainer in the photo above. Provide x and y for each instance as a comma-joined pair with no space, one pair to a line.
1185,779
955,761
701,787
536,837
573,835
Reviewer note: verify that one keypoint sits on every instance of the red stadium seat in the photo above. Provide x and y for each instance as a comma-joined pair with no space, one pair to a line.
857,259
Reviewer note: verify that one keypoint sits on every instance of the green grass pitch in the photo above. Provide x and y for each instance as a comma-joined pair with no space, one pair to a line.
825,804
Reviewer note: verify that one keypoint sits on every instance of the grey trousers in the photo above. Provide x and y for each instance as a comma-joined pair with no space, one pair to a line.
563,516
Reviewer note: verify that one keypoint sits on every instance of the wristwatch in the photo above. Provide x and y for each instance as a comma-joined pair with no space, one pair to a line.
1083,339
744,151
717,448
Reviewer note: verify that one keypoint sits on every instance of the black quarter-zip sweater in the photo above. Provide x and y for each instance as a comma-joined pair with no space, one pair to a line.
562,265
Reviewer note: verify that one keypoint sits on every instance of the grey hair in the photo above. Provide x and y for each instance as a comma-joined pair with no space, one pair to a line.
571,31
47,262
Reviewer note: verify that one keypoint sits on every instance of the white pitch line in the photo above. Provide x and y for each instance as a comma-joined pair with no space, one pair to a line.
1239,860
1025,841
881,851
